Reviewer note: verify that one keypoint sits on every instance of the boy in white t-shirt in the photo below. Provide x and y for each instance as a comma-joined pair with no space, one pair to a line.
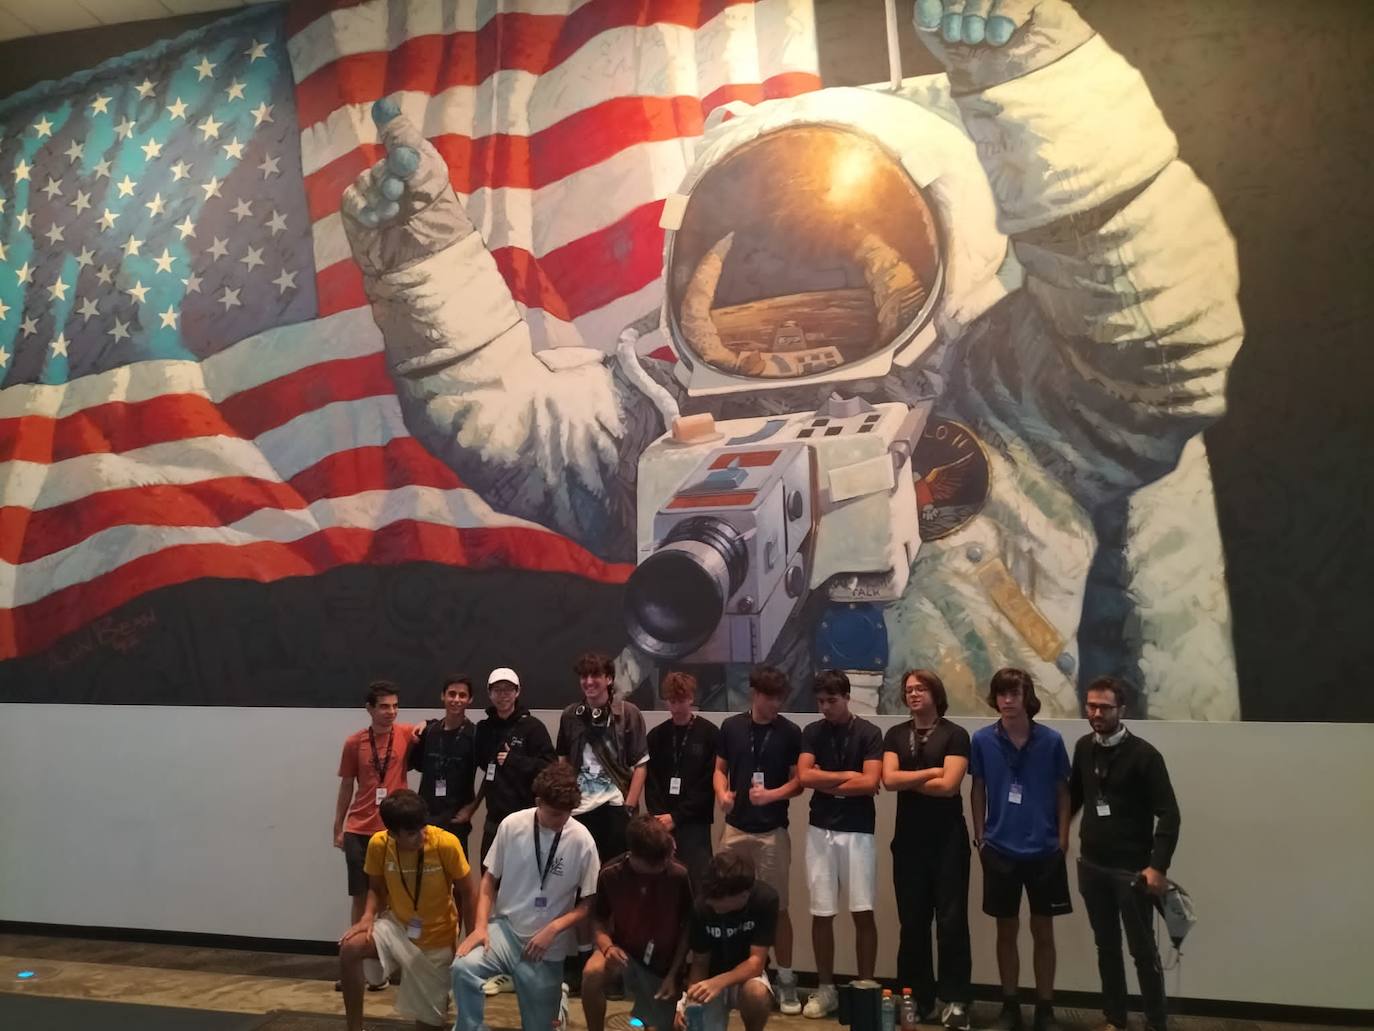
540,878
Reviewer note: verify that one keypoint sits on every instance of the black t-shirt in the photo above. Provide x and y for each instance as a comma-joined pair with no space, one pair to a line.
689,753
728,937
838,748
917,812
449,756
771,748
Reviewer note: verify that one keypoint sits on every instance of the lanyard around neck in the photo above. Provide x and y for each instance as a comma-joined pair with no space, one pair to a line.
539,864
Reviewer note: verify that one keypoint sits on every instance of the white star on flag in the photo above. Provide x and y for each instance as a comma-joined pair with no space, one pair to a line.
105,274
156,205
186,227
29,326
86,257
82,201
204,69
4,313
235,90
131,246
2,205
107,220
151,149
74,151
277,223
253,258
242,209
126,187
124,129
145,89
269,166
234,149
58,291
53,189
210,128
21,171
164,263
138,292
59,345
100,106
180,171
4,355
2,250
169,318
192,283
230,299
54,233
262,113
43,127
177,109
88,308
102,169
286,281
25,219
120,330
24,273
211,188
217,249
255,51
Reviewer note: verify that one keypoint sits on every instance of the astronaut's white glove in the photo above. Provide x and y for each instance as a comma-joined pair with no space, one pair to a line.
403,209
986,42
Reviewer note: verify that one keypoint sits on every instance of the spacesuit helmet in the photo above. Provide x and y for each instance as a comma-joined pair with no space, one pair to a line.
823,238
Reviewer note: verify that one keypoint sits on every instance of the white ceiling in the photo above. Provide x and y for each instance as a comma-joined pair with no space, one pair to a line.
39,17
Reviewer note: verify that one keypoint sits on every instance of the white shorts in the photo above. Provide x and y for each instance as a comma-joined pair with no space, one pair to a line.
840,861
423,993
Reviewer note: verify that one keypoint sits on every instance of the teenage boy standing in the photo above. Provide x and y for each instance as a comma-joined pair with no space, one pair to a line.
513,746
841,762
445,755
1020,804
679,791
756,776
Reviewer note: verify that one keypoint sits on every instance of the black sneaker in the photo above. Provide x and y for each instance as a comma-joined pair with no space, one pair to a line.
1010,1017
1044,1019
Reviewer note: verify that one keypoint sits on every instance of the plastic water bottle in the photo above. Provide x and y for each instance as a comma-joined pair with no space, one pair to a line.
695,1014
908,1012
889,1011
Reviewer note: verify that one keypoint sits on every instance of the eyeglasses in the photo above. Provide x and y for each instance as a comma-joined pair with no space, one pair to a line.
917,689
1099,707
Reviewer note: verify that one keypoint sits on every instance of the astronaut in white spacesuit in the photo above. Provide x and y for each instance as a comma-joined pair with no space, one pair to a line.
1080,339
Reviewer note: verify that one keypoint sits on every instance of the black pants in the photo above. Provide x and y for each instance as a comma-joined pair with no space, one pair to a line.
461,831
693,842
930,876
607,824
488,837
1113,901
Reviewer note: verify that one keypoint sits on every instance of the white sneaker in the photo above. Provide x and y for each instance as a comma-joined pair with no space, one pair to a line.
501,984
823,1002
788,1003
955,1017
563,1007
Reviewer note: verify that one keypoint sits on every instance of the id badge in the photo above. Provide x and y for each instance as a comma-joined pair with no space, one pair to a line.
674,785
413,928
648,953
758,779
1103,809
440,788
381,794
1014,794
541,902
491,771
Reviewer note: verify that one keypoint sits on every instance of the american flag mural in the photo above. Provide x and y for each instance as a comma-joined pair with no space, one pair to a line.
191,384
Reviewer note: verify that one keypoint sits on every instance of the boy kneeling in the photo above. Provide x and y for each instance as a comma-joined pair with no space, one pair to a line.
409,921
732,930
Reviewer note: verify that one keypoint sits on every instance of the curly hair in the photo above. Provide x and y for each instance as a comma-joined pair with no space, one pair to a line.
678,687
556,786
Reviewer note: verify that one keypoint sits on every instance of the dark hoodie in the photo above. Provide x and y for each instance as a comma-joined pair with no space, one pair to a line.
531,749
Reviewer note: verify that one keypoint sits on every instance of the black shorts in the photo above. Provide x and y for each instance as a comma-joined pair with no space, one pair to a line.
355,852
1045,880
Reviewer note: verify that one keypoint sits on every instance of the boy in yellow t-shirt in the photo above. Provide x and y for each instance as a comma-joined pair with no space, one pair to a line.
409,920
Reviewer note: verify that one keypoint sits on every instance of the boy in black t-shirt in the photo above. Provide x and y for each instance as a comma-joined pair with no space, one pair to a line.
925,761
733,926
445,754
678,790
756,775
841,761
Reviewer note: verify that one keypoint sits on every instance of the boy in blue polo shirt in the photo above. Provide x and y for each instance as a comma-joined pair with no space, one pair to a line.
1020,804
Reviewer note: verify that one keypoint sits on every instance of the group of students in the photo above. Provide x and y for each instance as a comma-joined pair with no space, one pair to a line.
577,888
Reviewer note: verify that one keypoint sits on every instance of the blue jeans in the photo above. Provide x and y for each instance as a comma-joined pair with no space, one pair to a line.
538,985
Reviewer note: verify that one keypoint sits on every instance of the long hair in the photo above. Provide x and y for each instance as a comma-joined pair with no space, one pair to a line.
931,681
1008,679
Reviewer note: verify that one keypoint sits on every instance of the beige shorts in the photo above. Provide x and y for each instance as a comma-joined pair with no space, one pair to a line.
771,853
423,994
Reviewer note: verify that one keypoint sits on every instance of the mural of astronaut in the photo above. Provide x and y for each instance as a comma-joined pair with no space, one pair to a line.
943,359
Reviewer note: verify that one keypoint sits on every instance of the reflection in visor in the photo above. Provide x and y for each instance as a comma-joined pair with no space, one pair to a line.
807,249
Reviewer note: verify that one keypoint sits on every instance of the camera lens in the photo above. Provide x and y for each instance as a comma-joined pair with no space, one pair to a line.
676,598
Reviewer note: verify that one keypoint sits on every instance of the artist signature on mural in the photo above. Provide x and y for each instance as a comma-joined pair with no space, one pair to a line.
120,634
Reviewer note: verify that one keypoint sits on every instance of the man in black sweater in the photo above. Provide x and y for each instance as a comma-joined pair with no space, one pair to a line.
679,790
1127,838
512,747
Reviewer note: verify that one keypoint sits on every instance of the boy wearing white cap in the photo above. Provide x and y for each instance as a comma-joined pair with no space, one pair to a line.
512,747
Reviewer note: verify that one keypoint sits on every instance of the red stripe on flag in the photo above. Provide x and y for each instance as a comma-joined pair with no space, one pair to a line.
40,624
26,536
272,404
511,41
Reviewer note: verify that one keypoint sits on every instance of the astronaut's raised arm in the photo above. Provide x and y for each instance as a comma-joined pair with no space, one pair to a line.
537,436
1130,270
